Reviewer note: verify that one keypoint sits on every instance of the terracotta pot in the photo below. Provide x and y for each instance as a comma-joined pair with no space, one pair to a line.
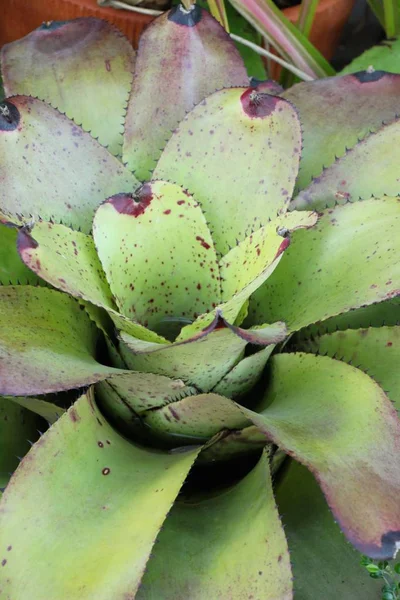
22,16
330,18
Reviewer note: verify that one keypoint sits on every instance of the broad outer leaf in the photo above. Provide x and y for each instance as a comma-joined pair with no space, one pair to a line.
51,168
230,545
183,57
67,259
374,315
82,490
348,260
158,254
259,137
338,422
12,269
336,112
202,360
82,67
325,566
375,350
18,426
245,268
47,343
376,157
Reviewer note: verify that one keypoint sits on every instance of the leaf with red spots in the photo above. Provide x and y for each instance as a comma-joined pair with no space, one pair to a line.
203,359
125,397
66,173
315,539
375,350
249,264
338,422
80,491
337,112
190,55
12,269
376,157
67,259
82,67
228,545
47,343
17,426
158,255
258,136
348,260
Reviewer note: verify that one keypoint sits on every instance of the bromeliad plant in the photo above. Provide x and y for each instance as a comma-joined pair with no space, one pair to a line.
206,325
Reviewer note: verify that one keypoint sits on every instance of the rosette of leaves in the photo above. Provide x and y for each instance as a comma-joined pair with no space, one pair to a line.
153,273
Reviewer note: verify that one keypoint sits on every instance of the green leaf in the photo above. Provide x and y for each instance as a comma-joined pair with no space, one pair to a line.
230,545
142,392
83,490
52,169
356,239
171,50
371,568
234,126
82,67
12,269
243,377
337,112
375,156
384,57
375,315
47,343
44,408
324,565
342,426
234,444
18,427
67,259
158,254
375,350
283,35
240,26
201,360
249,264
201,416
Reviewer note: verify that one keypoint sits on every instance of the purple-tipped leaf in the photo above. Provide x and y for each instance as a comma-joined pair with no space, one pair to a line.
84,68
337,421
183,56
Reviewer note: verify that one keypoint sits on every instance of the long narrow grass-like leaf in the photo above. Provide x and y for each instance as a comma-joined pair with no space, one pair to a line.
390,8
377,7
287,39
306,18
388,14
218,11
